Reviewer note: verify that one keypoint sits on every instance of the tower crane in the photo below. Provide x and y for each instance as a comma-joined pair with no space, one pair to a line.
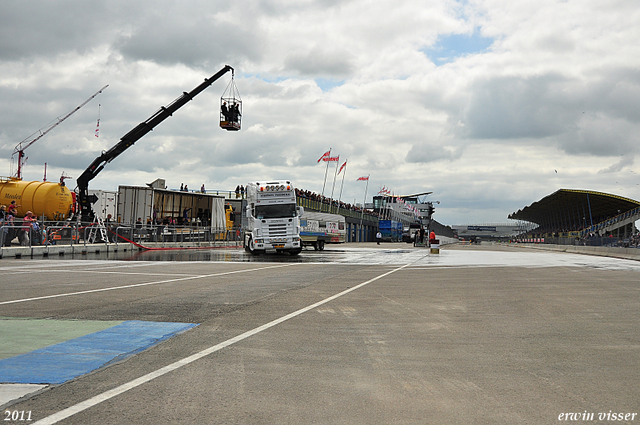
22,146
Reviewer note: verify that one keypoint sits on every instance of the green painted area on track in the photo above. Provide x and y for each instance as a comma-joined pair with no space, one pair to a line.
22,335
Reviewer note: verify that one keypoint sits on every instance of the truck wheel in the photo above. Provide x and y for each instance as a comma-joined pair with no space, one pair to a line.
315,246
252,248
320,245
295,251
249,247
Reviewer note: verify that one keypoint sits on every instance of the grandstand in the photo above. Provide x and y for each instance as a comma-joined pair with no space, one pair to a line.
568,215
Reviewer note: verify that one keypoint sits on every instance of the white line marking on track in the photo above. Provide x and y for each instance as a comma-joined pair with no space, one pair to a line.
113,288
47,266
70,411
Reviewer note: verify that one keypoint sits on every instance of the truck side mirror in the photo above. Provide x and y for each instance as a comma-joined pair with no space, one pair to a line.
300,211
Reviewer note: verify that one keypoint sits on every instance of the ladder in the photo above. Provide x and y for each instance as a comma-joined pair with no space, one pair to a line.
97,227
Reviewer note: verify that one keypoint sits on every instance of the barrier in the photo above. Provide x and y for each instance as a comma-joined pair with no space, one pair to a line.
434,246
74,238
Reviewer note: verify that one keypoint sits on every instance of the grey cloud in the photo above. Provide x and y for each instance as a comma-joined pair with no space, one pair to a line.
599,118
326,62
425,153
192,41
513,107
48,28
625,161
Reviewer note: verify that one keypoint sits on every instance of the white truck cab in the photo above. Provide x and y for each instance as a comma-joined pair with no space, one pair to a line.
273,218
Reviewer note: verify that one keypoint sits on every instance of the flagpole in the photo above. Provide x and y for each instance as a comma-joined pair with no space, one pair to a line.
341,186
363,201
334,185
383,209
325,181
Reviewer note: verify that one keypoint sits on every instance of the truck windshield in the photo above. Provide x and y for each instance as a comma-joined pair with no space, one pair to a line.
275,211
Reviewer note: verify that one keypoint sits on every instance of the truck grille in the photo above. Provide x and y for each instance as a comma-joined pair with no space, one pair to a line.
276,230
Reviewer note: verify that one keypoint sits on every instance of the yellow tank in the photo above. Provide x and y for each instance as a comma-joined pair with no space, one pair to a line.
48,199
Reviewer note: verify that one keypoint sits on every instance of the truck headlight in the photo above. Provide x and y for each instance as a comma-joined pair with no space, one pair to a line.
259,240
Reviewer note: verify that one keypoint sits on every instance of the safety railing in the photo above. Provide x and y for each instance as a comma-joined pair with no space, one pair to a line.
164,235
603,241
19,235
611,221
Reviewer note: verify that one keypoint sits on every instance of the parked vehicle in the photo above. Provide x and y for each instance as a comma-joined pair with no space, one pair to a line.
273,218
318,229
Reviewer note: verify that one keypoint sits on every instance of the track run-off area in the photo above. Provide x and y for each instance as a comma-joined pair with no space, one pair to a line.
355,334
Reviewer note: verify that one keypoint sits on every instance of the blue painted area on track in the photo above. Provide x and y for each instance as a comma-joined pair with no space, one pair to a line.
61,362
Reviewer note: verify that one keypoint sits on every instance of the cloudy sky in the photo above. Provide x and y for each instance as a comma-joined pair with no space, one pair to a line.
489,104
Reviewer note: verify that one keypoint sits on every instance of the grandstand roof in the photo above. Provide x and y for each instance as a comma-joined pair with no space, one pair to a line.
575,203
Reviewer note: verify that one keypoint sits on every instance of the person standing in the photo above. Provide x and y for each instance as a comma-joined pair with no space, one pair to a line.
13,209
185,216
378,237
108,228
3,230
24,235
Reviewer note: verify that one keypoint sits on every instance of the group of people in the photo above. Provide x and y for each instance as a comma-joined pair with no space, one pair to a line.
231,112
342,205
240,191
185,188
28,231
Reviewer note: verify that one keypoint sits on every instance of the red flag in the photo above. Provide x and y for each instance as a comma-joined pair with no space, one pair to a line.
343,165
98,123
331,159
363,178
325,155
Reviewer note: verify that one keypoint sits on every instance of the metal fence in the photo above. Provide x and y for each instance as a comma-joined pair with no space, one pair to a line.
56,233
605,241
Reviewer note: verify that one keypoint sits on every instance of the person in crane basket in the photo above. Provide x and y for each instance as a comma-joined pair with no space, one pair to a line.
231,108
225,111
234,113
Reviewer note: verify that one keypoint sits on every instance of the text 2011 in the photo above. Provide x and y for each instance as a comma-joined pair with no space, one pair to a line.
17,415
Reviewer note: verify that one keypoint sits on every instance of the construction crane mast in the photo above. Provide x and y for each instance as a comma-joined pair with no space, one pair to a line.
22,146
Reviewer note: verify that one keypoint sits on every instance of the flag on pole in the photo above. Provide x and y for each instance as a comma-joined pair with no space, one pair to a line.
325,155
343,165
331,158
362,178
98,123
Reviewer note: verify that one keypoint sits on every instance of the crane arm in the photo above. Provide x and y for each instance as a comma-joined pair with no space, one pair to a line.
22,146
132,137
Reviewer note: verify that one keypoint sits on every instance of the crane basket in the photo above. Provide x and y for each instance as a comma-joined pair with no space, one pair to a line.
231,107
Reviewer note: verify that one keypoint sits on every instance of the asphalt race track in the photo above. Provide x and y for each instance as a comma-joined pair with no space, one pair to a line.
356,334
